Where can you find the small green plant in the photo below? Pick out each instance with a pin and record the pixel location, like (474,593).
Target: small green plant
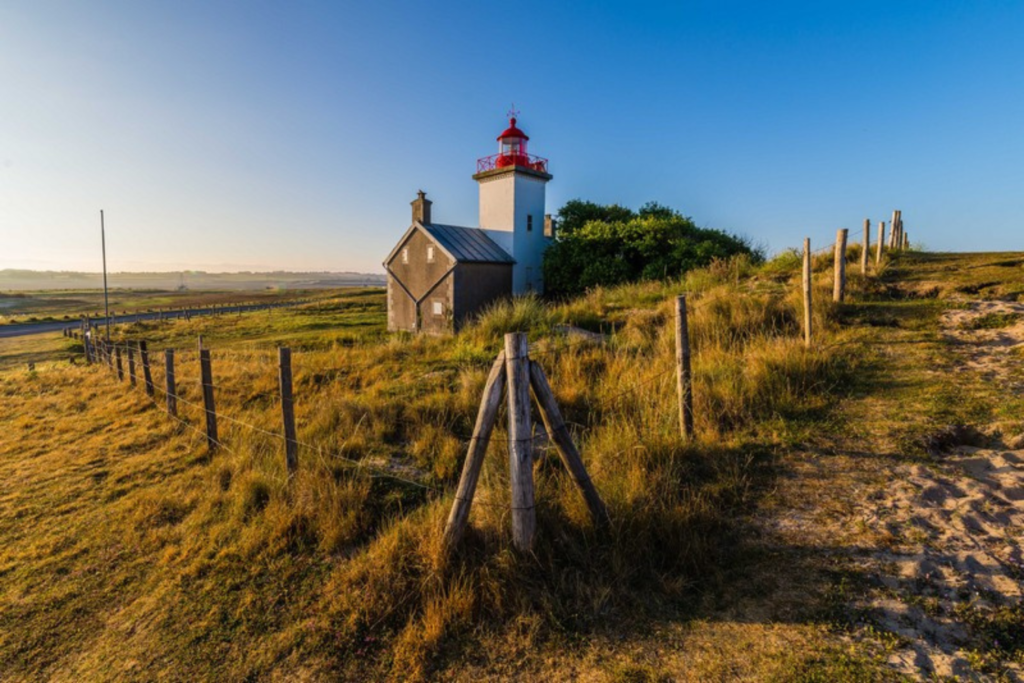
(992,321)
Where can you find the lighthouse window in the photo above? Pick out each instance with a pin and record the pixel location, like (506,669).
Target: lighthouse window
(529,222)
(405,255)
(438,308)
(430,254)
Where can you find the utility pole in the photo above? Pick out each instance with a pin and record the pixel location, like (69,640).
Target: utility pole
(106,300)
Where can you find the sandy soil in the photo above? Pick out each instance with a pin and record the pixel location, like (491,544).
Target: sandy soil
(954,529)
(996,353)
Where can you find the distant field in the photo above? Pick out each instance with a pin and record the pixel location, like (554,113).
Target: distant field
(32,306)
(27,280)
(363,309)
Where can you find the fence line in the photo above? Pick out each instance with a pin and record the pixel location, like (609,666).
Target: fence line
(517,356)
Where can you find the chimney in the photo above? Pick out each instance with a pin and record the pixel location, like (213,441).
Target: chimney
(421,208)
(549,225)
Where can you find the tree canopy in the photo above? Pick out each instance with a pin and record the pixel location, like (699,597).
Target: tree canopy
(608,245)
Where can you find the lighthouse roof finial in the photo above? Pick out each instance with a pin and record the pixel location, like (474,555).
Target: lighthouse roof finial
(512,131)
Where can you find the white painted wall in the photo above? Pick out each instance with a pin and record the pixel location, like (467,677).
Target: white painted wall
(505,202)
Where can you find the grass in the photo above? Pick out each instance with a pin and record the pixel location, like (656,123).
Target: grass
(129,552)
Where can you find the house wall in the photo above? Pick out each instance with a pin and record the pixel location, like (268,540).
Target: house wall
(420,276)
(476,286)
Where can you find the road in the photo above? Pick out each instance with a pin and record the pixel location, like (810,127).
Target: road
(24,329)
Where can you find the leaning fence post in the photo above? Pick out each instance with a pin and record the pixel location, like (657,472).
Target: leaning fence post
(867,247)
(567,451)
(839,279)
(147,376)
(172,398)
(120,368)
(291,447)
(131,363)
(486,416)
(211,411)
(684,380)
(524,517)
(808,310)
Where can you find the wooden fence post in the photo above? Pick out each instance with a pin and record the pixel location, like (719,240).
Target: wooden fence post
(291,447)
(567,451)
(147,376)
(881,240)
(684,380)
(839,278)
(211,412)
(88,348)
(131,363)
(808,310)
(486,416)
(120,368)
(906,240)
(517,370)
(867,247)
(172,398)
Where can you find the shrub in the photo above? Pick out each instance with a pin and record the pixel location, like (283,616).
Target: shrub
(612,248)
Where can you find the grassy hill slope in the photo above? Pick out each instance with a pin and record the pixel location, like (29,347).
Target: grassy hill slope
(759,551)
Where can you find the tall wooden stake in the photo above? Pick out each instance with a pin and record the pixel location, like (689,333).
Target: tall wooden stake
(211,412)
(867,247)
(486,416)
(131,364)
(172,397)
(684,380)
(517,369)
(120,368)
(147,376)
(291,446)
(570,456)
(839,279)
(881,240)
(808,310)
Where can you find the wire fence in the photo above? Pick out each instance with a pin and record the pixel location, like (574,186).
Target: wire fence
(116,355)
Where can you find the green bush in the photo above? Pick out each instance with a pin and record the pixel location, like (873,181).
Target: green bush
(599,246)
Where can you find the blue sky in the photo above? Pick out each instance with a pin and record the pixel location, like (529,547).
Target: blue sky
(257,135)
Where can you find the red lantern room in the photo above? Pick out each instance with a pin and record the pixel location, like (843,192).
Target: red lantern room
(512,153)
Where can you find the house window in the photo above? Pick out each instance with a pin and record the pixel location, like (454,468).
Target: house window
(529,222)
(405,255)
(430,254)
(438,308)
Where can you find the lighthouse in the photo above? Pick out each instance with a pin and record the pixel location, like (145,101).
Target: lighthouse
(512,204)
(442,276)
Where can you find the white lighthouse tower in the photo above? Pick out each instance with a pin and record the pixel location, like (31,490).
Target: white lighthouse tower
(512,214)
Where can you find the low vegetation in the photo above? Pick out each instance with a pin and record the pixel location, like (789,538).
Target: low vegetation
(131,553)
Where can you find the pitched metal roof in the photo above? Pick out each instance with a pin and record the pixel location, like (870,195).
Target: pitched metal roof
(467,245)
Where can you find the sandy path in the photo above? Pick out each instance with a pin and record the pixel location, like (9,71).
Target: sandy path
(953,530)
